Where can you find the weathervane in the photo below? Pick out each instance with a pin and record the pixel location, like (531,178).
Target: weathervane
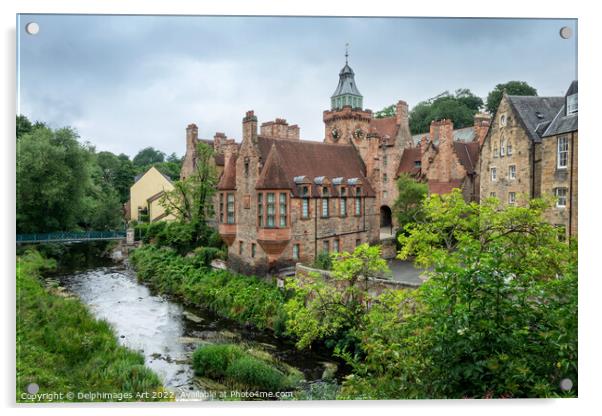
(346,53)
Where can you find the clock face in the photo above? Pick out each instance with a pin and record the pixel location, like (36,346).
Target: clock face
(358,133)
(336,134)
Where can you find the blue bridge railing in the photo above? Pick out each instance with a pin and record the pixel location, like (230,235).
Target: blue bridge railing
(70,236)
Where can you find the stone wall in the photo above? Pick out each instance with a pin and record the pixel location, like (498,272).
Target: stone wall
(375,285)
(514,135)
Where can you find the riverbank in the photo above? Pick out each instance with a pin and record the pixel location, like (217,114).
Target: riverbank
(247,300)
(68,354)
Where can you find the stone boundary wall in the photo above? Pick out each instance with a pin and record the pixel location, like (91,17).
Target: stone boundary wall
(377,285)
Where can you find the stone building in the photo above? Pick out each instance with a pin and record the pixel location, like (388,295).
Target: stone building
(559,144)
(530,151)
(446,158)
(283,200)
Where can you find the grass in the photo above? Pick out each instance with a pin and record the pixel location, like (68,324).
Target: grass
(244,369)
(62,348)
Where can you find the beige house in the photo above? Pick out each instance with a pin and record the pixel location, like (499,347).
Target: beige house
(145,196)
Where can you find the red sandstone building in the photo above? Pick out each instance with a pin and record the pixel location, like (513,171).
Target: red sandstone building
(283,200)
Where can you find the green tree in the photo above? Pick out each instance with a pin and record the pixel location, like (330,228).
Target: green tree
(511,88)
(53,174)
(459,107)
(328,309)
(148,157)
(23,126)
(191,200)
(388,111)
(408,205)
(496,318)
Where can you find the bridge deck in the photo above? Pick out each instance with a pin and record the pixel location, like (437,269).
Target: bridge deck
(66,237)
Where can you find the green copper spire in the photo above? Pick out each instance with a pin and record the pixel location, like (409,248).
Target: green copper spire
(346,92)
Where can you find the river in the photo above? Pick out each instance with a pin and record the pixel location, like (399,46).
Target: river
(167,332)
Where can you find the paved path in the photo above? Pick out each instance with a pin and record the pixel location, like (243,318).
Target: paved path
(404,271)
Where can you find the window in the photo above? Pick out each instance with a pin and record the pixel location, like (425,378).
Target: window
(492,194)
(230,207)
(561,197)
(358,242)
(511,197)
(503,120)
(305,202)
(325,246)
(271,210)
(343,202)
(221,207)
(335,245)
(246,166)
(493,174)
(240,248)
(562,154)
(495,150)
(417,163)
(358,202)
(260,209)
(508,149)
(253,249)
(324,207)
(283,209)
(502,148)
(385,194)
(571,104)
(295,251)
(385,177)
(512,172)
(385,160)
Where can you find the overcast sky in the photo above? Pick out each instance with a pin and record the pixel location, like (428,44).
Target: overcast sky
(127,82)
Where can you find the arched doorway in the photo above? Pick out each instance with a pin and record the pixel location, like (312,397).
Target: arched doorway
(386,221)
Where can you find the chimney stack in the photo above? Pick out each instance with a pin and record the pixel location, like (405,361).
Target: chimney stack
(249,126)
(482,121)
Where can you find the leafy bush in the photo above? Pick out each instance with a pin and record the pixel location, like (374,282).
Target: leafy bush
(255,374)
(213,360)
(323,261)
(245,299)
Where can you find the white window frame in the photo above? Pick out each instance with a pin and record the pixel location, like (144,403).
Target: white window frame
(562,152)
(561,197)
(509,149)
(511,198)
(296,250)
(512,172)
(493,173)
(571,104)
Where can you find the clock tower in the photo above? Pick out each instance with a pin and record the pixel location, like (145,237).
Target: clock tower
(346,122)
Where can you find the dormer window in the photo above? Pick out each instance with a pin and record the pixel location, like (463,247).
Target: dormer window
(571,104)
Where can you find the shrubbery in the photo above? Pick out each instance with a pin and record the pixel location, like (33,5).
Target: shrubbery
(239,368)
(180,236)
(245,299)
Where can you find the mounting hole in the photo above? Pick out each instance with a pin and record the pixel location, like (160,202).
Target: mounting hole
(566,32)
(32,28)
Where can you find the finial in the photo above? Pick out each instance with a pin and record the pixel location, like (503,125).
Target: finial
(346,53)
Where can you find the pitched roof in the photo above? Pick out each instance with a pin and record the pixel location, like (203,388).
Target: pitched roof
(533,112)
(564,123)
(407,164)
(140,175)
(346,82)
(437,187)
(386,126)
(308,158)
(468,154)
(465,134)
(228,179)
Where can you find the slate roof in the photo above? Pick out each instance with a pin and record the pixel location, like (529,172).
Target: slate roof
(140,175)
(346,83)
(533,112)
(465,134)
(564,123)
(286,159)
